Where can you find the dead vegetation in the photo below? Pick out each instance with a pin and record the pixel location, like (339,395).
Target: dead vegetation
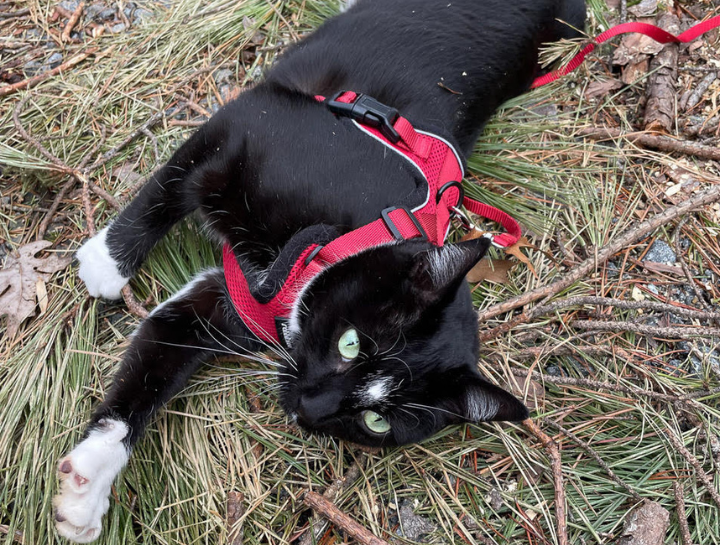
(609,330)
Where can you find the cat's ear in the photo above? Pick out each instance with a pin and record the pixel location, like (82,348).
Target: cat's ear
(435,270)
(477,400)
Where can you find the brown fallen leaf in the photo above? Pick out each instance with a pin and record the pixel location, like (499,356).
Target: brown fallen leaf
(492,270)
(635,71)
(126,174)
(652,266)
(19,281)
(645,8)
(234,513)
(515,250)
(42,295)
(472,234)
(635,48)
(602,87)
(530,391)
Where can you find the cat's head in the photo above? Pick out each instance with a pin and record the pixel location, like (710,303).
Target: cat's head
(385,348)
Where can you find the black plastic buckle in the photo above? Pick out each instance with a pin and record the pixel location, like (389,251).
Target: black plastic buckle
(393,228)
(445,187)
(367,111)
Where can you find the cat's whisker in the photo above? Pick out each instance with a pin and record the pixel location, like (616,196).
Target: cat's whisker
(245,353)
(423,408)
(389,358)
(400,335)
(276,348)
(426,407)
(417,420)
(377,348)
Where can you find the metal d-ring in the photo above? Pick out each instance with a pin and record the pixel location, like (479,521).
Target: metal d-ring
(445,187)
(464,218)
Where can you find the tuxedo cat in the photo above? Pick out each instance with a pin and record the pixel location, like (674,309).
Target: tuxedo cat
(384,343)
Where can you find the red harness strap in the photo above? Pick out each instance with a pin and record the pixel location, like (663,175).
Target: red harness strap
(441,167)
(657,34)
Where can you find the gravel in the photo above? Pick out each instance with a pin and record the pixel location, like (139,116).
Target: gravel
(660,252)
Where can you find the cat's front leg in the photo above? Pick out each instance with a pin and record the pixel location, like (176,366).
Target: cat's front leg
(109,259)
(179,335)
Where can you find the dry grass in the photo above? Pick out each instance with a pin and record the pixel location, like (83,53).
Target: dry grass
(476,484)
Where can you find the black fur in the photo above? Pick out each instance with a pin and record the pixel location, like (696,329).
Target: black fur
(275,162)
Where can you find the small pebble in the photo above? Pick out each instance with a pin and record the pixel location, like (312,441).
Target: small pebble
(33,68)
(223,76)
(141,15)
(660,252)
(70,5)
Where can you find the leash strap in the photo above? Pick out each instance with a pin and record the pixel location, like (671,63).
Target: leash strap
(657,34)
(498,216)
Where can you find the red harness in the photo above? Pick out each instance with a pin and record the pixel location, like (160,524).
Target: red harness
(441,167)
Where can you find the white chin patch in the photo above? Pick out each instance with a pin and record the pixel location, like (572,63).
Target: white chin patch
(98,269)
(86,475)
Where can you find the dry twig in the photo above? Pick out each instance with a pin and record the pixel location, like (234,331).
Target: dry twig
(134,306)
(328,510)
(598,385)
(14,14)
(587,448)
(654,141)
(42,229)
(682,517)
(333,491)
(703,86)
(27,83)
(556,464)
(679,332)
(74,18)
(619,303)
(17,536)
(630,236)
(690,458)
(660,111)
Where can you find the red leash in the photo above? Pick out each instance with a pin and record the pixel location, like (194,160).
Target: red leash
(657,34)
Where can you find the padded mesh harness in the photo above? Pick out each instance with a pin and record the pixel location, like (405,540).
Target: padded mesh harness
(441,167)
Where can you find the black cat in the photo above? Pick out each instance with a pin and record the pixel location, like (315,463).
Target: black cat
(381,346)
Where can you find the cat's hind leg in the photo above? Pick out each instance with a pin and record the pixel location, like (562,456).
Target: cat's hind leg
(176,338)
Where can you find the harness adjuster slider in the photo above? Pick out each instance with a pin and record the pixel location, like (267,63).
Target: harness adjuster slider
(394,229)
(367,111)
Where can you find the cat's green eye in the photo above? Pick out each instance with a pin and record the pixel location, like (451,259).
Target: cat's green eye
(349,345)
(375,423)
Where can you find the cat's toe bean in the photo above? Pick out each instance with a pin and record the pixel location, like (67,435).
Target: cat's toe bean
(78,534)
(86,476)
(99,270)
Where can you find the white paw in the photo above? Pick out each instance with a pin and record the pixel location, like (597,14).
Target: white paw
(98,269)
(86,475)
